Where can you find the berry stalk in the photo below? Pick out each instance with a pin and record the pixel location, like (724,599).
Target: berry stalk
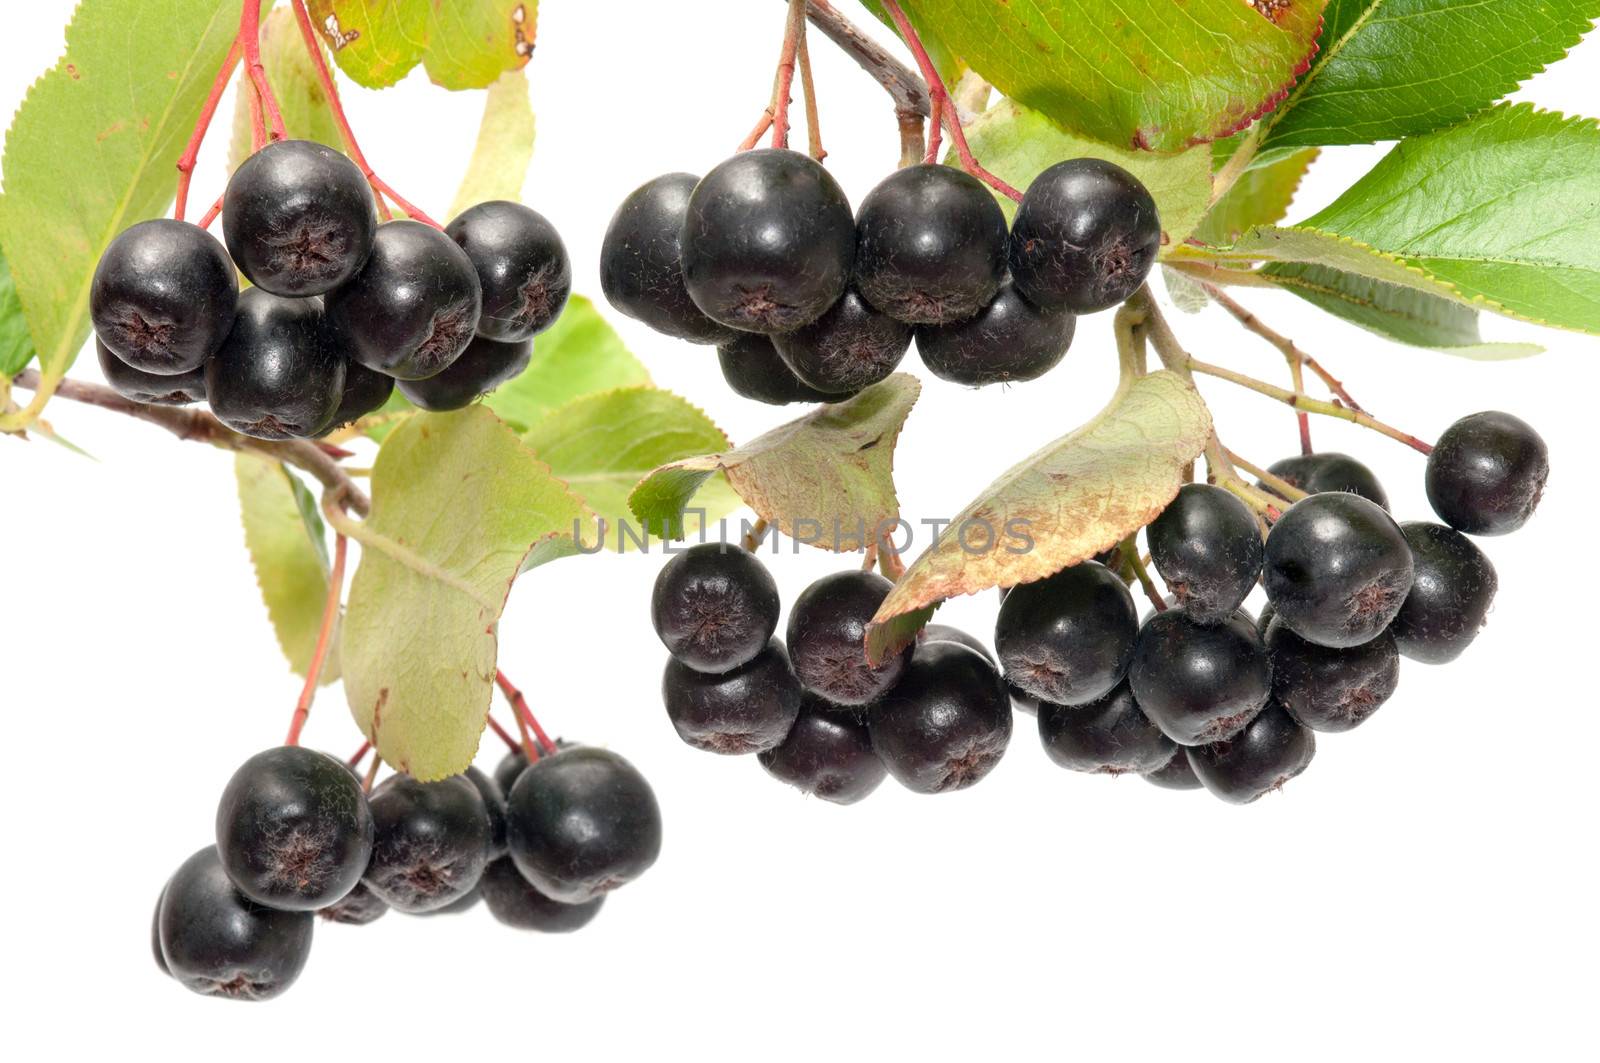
(330,620)
(361,751)
(519,705)
(1277,483)
(808,89)
(1130,553)
(794,29)
(250,42)
(191,151)
(511,743)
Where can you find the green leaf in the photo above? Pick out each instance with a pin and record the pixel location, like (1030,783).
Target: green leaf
(293,77)
(1388,69)
(826,479)
(945,61)
(1260,197)
(464,44)
(499,162)
(375,42)
(16,342)
(602,445)
(1138,73)
(92,150)
(1077,496)
(1018,144)
(284,534)
(1404,315)
(458,505)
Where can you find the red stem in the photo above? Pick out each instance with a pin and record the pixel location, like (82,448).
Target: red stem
(303,18)
(355,758)
(519,705)
(211,214)
(258,129)
(516,747)
(794,26)
(191,151)
(250,41)
(330,620)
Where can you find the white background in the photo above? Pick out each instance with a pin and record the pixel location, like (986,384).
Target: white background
(1425,889)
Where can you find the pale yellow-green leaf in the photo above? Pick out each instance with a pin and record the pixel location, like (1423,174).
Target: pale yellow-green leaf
(499,162)
(1261,196)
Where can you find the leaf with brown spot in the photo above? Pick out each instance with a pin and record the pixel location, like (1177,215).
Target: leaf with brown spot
(1072,499)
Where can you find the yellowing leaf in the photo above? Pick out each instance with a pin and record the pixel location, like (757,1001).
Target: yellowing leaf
(1260,197)
(499,162)
(463,44)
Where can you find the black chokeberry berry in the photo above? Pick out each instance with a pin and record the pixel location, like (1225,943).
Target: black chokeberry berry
(219,943)
(1084,238)
(930,245)
(714,606)
(1106,737)
(1199,683)
(464,903)
(414,306)
(1450,598)
(827,639)
(1329,689)
(1329,471)
(1337,569)
(1207,546)
(357,908)
(280,373)
(827,753)
(482,367)
(522,267)
(494,802)
(514,901)
(1022,701)
(582,823)
(432,842)
(947,633)
(293,829)
(155,935)
(746,710)
(163,296)
(1487,473)
(299,218)
(768,241)
(641,262)
(1010,339)
(150,388)
(1176,774)
(848,348)
(1271,750)
(946,724)
(365,391)
(753,369)
(511,765)
(1067,639)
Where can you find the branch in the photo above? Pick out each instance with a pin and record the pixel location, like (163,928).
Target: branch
(201,427)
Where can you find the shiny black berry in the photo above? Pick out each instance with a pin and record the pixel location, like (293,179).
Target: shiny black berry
(522,267)
(151,388)
(163,296)
(768,241)
(827,753)
(1487,474)
(482,367)
(582,823)
(299,218)
(219,943)
(1022,701)
(155,935)
(464,903)
(1329,689)
(357,908)
(414,306)
(1330,471)
(714,606)
(1337,569)
(846,349)
(746,710)
(1106,737)
(1199,683)
(514,901)
(827,639)
(1269,752)
(511,765)
(641,262)
(1450,597)
(753,369)
(946,724)
(1176,774)
(947,633)
(930,245)
(1084,238)
(1207,546)
(293,829)
(365,391)
(494,803)
(280,373)
(1010,339)
(432,842)
(1067,639)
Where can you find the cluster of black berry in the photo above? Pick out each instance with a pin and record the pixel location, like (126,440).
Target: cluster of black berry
(807,303)
(539,844)
(341,307)
(817,714)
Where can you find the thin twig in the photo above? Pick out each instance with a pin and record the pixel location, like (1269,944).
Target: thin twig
(793,28)
(905,88)
(330,620)
(808,89)
(250,44)
(1130,554)
(494,725)
(191,151)
(1278,484)
(519,705)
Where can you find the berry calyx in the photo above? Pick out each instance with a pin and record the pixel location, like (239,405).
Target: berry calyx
(1106,737)
(1084,238)
(1009,340)
(1329,471)
(1199,683)
(280,373)
(714,607)
(431,843)
(849,347)
(946,724)
(746,710)
(484,365)
(1450,597)
(293,829)
(1207,546)
(163,296)
(768,241)
(754,370)
(299,218)
(827,753)
(172,390)
(827,639)
(522,266)
(1487,473)
(1067,639)
(1329,689)
(515,902)
(1264,756)
(1337,569)
(930,245)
